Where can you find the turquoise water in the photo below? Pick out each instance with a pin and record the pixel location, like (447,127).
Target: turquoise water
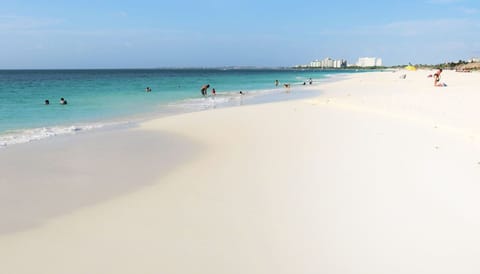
(96,97)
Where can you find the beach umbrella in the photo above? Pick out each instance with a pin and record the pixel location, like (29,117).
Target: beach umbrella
(411,68)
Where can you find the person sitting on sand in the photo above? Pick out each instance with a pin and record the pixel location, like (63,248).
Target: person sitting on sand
(436,79)
(63,101)
(204,89)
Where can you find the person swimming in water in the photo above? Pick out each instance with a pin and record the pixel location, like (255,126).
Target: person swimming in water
(63,101)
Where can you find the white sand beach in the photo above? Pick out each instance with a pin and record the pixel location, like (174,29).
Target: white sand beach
(376,175)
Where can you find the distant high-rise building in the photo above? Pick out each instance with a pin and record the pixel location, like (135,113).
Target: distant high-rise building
(369,62)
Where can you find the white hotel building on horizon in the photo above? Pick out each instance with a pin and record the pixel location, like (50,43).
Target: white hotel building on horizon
(369,62)
(328,63)
(341,63)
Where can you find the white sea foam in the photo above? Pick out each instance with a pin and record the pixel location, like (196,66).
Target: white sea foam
(228,98)
(219,100)
(29,135)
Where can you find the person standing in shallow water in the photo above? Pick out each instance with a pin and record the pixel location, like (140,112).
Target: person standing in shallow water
(276,83)
(204,89)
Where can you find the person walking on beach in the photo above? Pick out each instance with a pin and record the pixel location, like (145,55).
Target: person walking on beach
(204,89)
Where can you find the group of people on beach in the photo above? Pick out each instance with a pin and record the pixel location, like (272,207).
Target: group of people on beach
(62,101)
(204,91)
(287,85)
(205,88)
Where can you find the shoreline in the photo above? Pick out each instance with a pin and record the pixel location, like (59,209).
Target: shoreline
(58,146)
(94,104)
(376,175)
(222,100)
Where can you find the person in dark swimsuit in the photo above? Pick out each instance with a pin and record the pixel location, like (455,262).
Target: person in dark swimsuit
(204,89)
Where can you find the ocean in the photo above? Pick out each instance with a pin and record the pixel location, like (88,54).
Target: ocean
(103,98)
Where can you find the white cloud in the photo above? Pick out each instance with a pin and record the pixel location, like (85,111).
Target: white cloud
(121,14)
(427,27)
(443,1)
(469,10)
(411,28)
(15,22)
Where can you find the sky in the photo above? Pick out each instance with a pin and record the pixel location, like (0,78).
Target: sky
(37,34)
